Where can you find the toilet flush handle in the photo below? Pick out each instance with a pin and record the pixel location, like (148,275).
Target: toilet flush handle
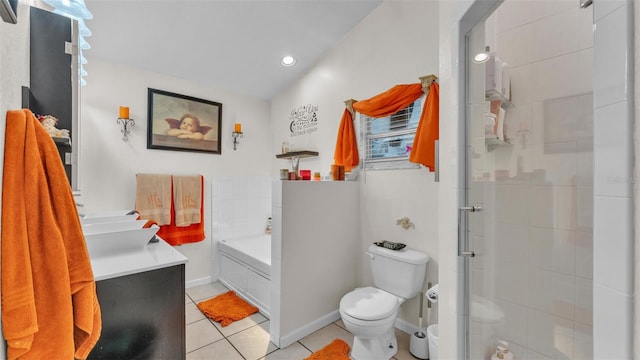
(370,255)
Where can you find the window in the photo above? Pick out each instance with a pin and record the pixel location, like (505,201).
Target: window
(386,141)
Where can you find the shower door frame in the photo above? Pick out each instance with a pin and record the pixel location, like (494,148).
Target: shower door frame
(479,11)
(603,331)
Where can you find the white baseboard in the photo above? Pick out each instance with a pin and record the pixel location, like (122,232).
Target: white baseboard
(197,282)
(406,326)
(308,329)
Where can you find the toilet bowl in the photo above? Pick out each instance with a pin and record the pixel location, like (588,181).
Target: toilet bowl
(369,313)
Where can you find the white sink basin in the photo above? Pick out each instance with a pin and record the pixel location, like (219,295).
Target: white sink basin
(122,225)
(107,239)
(107,219)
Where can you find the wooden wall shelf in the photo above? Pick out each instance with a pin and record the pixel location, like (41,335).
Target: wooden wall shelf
(297,154)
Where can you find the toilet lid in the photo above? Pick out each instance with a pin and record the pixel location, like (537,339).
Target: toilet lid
(369,303)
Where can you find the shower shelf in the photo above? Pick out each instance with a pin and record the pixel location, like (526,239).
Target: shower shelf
(491,95)
(493,143)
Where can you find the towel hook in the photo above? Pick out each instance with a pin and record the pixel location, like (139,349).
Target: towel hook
(405,223)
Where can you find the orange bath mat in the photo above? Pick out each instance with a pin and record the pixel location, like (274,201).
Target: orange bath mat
(336,350)
(226,308)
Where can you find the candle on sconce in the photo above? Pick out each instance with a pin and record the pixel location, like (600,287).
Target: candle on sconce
(124,112)
(238,128)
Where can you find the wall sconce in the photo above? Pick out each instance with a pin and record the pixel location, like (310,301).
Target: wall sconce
(237,132)
(124,120)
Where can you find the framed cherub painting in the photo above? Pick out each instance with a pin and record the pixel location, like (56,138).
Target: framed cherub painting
(183,123)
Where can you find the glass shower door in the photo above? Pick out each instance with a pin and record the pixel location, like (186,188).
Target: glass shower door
(526,215)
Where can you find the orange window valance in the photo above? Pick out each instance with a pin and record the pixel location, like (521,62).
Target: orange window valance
(390,101)
(385,104)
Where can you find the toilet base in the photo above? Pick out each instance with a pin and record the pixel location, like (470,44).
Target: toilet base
(377,348)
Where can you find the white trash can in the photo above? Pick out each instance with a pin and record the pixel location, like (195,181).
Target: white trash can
(432,334)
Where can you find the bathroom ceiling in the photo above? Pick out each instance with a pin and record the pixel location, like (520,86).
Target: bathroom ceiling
(235,45)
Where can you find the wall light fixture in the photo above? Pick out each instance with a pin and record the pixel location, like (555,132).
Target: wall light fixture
(237,133)
(126,123)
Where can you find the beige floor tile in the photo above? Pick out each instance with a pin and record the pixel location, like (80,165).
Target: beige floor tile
(192,313)
(293,351)
(253,343)
(240,325)
(207,291)
(326,335)
(201,333)
(218,350)
(341,324)
(187,299)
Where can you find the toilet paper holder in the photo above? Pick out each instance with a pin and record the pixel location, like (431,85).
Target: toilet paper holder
(433,293)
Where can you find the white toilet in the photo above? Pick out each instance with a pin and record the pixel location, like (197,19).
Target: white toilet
(369,313)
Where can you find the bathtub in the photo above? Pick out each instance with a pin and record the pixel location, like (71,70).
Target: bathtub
(245,267)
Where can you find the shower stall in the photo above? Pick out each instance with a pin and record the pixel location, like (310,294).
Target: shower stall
(526,214)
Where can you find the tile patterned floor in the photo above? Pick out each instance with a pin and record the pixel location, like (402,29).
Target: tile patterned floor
(248,339)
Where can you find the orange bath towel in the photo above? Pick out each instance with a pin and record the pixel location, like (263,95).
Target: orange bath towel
(226,308)
(49,304)
(153,197)
(336,350)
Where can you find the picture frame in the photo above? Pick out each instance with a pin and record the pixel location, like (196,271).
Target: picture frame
(183,123)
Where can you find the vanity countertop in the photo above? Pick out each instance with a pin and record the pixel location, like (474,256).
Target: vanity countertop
(154,256)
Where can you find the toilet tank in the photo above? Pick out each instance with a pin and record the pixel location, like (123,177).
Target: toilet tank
(400,272)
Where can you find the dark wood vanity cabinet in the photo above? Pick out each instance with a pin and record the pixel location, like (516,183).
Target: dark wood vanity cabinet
(143,316)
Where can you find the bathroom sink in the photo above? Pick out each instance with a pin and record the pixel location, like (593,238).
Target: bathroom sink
(107,219)
(121,225)
(108,239)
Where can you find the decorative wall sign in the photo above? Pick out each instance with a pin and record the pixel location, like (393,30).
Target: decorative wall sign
(304,120)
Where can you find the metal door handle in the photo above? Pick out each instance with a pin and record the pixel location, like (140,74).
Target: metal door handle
(472,208)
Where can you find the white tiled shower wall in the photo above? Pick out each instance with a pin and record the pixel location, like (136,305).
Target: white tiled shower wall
(613,234)
(543,235)
(240,205)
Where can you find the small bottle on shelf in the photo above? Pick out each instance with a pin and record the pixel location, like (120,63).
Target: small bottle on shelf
(268,229)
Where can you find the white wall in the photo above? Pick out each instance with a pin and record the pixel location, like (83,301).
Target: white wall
(312,255)
(14,73)
(395,44)
(108,165)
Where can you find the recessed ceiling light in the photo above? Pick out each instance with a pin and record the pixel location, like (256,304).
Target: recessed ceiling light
(482,57)
(288,61)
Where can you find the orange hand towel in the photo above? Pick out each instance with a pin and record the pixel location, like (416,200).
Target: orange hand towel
(346,146)
(175,235)
(187,195)
(428,131)
(153,197)
(49,304)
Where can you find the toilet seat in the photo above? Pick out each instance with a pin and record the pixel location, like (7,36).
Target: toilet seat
(369,304)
